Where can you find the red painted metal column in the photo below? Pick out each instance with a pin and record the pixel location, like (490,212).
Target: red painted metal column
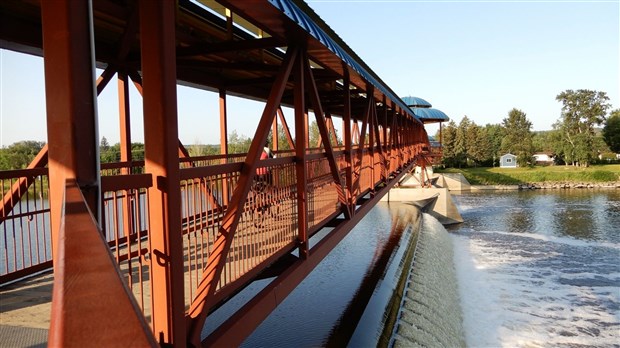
(224,142)
(348,141)
(301,142)
(371,142)
(124,120)
(71,104)
(274,135)
(125,143)
(157,32)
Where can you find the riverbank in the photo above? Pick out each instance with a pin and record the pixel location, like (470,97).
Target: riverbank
(547,186)
(603,176)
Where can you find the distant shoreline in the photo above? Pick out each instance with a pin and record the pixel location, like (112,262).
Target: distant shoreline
(548,186)
(551,177)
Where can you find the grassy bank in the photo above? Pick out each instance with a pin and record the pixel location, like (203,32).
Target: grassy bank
(514,176)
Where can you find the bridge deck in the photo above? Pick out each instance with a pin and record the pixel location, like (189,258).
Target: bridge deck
(25,311)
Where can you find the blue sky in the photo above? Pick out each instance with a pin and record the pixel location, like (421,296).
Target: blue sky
(474,58)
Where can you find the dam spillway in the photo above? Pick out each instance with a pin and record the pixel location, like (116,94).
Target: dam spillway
(325,309)
(430,314)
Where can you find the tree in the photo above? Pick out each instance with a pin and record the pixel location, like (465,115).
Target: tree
(448,143)
(282,141)
(518,136)
(611,131)
(478,149)
(494,134)
(460,143)
(314,135)
(104,144)
(581,111)
(107,153)
(238,143)
(19,154)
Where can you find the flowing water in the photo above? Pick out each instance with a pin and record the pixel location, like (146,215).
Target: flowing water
(539,268)
(430,315)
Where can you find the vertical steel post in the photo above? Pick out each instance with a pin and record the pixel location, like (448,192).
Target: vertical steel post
(301,143)
(71,104)
(348,140)
(157,32)
(371,142)
(440,135)
(124,120)
(224,142)
(274,135)
(125,143)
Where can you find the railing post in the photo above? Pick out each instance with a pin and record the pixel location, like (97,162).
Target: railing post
(157,33)
(71,104)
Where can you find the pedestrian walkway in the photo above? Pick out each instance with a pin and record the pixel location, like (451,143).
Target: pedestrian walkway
(25,312)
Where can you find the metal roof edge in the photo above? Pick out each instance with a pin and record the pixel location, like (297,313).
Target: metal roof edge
(302,14)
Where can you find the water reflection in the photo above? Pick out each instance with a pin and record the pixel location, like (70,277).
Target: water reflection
(581,214)
(539,268)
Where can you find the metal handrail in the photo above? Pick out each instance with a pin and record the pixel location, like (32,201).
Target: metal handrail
(84,270)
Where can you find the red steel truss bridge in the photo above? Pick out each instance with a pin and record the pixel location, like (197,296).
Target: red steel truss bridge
(147,248)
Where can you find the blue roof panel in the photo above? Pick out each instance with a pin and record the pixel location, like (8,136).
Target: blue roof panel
(429,114)
(416,102)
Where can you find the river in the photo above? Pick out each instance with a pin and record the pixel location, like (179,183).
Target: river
(539,268)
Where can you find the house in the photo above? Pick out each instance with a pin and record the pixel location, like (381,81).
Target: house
(508,161)
(544,159)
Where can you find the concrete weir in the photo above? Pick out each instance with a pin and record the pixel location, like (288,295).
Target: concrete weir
(416,301)
(437,201)
(443,207)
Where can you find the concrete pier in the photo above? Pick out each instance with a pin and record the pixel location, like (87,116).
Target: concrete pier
(443,209)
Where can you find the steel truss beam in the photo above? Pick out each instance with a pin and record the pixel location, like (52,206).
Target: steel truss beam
(230,46)
(320,120)
(199,308)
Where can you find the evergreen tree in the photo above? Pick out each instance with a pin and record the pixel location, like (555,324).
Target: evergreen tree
(460,144)
(518,137)
(448,143)
(494,134)
(478,149)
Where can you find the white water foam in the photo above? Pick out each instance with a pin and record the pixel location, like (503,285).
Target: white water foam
(523,290)
(558,240)
(431,313)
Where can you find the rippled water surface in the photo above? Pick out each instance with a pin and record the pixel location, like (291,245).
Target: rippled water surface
(540,268)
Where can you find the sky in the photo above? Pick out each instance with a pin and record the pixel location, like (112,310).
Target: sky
(474,58)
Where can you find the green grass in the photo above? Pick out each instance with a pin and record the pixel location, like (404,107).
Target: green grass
(514,176)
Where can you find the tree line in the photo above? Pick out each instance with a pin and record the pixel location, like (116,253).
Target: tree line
(576,138)
(20,154)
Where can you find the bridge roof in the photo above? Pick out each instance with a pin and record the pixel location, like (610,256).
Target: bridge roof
(430,115)
(416,102)
(243,60)
(299,12)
